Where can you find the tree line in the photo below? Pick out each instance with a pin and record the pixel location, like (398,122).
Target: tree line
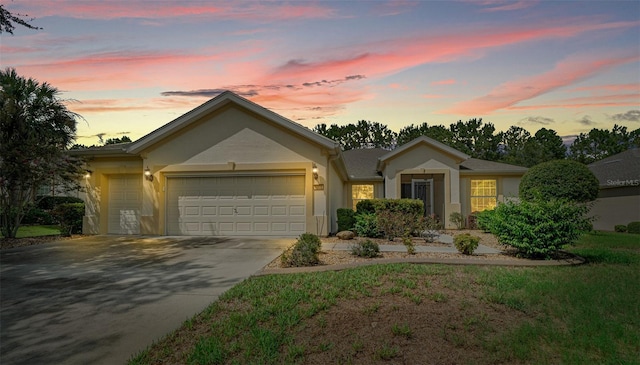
(481,140)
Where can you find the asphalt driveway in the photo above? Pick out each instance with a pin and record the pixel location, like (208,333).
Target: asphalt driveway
(101,299)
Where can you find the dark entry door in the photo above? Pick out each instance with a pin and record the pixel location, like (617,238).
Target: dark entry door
(423,190)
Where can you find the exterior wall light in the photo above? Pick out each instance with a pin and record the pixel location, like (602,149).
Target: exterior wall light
(314,169)
(87,174)
(147,174)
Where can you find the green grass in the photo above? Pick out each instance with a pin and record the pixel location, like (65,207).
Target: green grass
(37,231)
(574,314)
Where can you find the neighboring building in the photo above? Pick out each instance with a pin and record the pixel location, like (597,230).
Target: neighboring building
(231,167)
(619,198)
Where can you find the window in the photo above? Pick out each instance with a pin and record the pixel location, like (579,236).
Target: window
(361,192)
(483,195)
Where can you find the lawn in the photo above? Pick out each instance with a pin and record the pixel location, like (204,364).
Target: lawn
(37,231)
(404,313)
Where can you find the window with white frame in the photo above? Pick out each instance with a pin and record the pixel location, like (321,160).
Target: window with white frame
(361,192)
(484,195)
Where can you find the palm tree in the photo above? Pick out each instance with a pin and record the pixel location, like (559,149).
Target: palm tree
(36,129)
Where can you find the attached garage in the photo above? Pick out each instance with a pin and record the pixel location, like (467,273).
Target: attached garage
(125,200)
(232,205)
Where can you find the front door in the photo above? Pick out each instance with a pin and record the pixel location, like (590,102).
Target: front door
(423,189)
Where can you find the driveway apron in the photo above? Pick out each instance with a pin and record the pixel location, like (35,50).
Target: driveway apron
(101,299)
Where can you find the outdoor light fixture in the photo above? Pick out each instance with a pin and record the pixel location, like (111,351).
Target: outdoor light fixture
(147,174)
(87,174)
(314,169)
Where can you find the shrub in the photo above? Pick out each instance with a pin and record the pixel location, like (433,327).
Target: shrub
(35,215)
(457,219)
(391,224)
(429,227)
(367,225)
(365,206)
(408,243)
(346,219)
(69,215)
(466,243)
(538,229)
(50,202)
(472,220)
(409,206)
(366,248)
(304,252)
(560,179)
(620,228)
(484,219)
(633,227)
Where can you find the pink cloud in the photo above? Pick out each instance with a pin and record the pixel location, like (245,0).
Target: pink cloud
(589,101)
(399,54)
(504,5)
(443,82)
(608,88)
(165,9)
(565,73)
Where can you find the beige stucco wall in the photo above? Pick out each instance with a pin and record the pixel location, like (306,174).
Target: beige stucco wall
(423,159)
(231,141)
(615,210)
(97,189)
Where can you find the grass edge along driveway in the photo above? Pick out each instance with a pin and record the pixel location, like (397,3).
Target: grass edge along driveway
(571,315)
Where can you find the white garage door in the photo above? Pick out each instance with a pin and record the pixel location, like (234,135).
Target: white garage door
(236,206)
(125,199)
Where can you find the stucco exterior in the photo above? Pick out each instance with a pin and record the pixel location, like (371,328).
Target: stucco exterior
(232,137)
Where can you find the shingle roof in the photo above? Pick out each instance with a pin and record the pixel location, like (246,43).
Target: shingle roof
(478,165)
(618,169)
(361,163)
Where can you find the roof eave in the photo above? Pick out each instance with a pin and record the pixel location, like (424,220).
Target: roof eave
(218,102)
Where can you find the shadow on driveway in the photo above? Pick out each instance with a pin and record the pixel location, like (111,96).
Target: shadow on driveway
(101,299)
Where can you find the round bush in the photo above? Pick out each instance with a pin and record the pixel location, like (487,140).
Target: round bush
(560,179)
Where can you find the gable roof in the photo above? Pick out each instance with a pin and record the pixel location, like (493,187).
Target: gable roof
(218,102)
(361,163)
(614,171)
(422,140)
(476,165)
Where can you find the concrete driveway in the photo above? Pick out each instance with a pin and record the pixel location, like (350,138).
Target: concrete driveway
(101,299)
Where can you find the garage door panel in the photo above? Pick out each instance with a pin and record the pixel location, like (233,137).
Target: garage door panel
(241,205)
(125,200)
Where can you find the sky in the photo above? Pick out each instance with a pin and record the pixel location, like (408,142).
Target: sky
(129,67)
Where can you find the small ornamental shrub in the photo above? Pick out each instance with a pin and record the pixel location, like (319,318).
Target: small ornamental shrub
(472,220)
(620,228)
(69,215)
(560,179)
(387,223)
(366,248)
(367,225)
(408,243)
(466,243)
(538,229)
(633,227)
(429,227)
(346,219)
(303,253)
(457,219)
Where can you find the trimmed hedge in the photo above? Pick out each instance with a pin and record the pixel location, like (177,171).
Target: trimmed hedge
(50,202)
(409,206)
(346,219)
(560,179)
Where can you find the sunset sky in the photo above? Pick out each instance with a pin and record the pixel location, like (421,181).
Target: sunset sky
(131,66)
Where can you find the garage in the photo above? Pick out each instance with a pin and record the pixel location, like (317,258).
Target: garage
(125,200)
(266,205)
